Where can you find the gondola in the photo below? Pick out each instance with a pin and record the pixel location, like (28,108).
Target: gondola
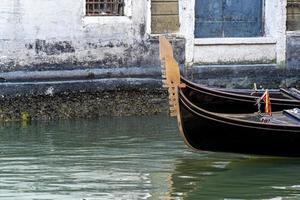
(227,100)
(236,100)
(250,133)
(205,126)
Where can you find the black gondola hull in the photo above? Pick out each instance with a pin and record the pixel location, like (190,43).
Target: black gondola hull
(203,131)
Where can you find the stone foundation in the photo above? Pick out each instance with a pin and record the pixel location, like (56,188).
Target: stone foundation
(84,104)
(244,76)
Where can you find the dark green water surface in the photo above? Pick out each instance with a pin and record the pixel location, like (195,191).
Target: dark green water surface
(131,158)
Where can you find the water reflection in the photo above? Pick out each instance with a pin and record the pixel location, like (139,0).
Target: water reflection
(113,158)
(130,158)
(236,177)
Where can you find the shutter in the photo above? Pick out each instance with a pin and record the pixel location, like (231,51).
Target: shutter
(228,18)
(242,18)
(208,18)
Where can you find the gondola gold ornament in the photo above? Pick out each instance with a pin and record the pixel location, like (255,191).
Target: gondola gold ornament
(170,74)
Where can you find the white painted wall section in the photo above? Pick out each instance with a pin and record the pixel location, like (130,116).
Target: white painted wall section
(235,53)
(24,22)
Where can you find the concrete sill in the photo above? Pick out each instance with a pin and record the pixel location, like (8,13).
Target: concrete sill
(107,20)
(234,41)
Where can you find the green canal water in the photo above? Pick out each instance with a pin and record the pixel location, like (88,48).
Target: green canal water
(131,158)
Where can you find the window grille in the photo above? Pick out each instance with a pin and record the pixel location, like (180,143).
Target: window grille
(104,7)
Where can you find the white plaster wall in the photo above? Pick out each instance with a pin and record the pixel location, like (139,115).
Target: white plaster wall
(22,22)
(271,47)
(187,27)
(235,53)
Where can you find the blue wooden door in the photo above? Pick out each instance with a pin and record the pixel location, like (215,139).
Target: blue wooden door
(228,18)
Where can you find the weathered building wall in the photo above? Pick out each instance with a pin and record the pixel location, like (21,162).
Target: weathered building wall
(57,34)
(55,62)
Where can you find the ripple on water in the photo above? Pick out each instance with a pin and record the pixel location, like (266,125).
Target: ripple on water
(131,158)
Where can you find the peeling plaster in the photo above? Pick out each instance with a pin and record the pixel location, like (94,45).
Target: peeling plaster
(52,32)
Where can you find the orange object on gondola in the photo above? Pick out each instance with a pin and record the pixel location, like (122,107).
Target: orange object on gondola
(266,98)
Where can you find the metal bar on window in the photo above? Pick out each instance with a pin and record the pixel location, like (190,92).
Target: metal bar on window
(104,7)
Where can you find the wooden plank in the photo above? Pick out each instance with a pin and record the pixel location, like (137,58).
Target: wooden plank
(165,17)
(293,10)
(164,8)
(164,24)
(293,15)
(293,25)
